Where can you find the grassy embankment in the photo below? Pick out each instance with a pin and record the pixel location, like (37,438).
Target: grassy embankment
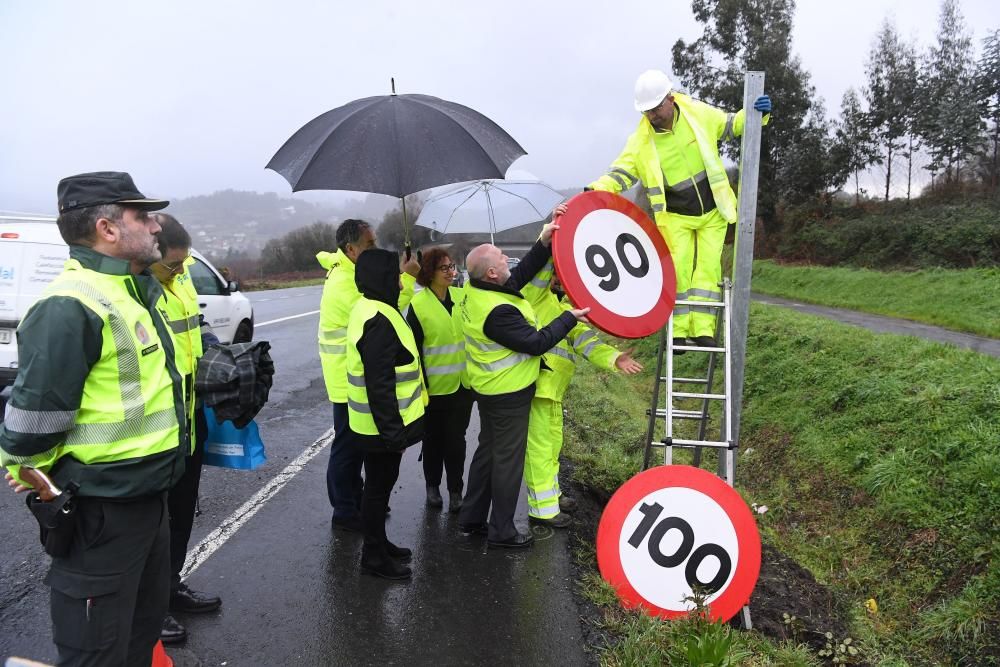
(878,458)
(960,299)
(266,283)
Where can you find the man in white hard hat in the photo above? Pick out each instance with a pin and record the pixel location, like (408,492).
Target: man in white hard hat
(675,153)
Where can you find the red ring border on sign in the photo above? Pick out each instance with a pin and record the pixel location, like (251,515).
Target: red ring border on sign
(562,254)
(747,568)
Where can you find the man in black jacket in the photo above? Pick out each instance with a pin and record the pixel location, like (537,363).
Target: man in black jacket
(385,401)
(503,349)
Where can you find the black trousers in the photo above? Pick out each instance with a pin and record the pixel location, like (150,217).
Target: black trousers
(343,471)
(445,422)
(381,473)
(182,500)
(110,592)
(498,464)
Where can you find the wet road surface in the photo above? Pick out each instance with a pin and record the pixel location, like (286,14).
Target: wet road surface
(291,588)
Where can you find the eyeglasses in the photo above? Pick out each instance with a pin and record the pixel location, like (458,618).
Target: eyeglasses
(175,267)
(446,268)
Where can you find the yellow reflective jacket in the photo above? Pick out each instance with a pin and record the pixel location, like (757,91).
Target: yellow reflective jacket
(339,296)
(559,363)
(639,161)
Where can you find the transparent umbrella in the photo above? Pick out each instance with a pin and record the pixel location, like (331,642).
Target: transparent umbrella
(488,206)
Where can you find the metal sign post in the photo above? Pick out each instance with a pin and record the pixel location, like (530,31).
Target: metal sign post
(753,88)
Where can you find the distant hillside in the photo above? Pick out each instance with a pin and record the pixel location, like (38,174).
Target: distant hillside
(240,222)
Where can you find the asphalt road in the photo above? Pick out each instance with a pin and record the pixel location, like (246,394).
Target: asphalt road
(291,589)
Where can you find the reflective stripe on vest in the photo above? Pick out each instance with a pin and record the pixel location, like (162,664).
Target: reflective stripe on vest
(409,384)
(443,343)
(339,296)
(494,369)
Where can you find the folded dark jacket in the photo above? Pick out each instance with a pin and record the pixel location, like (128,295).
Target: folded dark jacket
(235,380)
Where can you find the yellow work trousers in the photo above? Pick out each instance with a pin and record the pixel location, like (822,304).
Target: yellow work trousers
(541,461)
(695,244)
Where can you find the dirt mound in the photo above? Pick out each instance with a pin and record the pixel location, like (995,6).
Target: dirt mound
(784,587)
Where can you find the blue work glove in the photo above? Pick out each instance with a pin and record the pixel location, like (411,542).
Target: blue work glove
(762,104)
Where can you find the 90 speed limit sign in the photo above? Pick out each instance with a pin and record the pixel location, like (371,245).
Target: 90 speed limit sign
(672,529)
(611,257)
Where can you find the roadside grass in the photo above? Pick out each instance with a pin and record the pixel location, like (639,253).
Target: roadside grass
(878,459)
(961,299)
(257,285)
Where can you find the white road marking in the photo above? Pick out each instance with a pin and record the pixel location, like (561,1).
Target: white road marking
(282,319)
(208,546)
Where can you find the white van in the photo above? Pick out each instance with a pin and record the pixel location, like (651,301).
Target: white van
(32,254)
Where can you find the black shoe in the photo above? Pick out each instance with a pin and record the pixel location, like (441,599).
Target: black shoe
(519,541)
(402,554)
(704,341)
(434,497)
(561,520)
(679,341)
(472,529)
(454,501)
(348,525)
(187,601)
(378,563)
(567,504)
(172,632)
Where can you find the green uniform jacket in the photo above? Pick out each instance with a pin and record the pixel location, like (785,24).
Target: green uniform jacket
(59,341)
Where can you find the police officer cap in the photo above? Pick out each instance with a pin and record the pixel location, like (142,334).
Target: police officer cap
(103,187)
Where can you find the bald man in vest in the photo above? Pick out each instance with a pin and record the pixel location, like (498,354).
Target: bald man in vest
(503,345)
(675,154)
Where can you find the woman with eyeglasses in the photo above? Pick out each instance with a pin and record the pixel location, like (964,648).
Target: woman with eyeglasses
(191,335)
(434,318)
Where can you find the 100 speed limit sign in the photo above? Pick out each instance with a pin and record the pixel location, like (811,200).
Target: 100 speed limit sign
(611,257)
(673,529)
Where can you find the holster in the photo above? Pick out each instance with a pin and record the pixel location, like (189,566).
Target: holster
(56,520)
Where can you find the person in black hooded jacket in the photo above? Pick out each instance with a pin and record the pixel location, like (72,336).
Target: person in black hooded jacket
(385,401)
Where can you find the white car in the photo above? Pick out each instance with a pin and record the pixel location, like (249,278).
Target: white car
(32,254)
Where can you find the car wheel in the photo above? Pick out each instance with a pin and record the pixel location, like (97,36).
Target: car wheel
(244,332)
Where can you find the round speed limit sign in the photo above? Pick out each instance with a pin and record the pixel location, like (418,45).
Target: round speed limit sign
(611,257)
(673,529)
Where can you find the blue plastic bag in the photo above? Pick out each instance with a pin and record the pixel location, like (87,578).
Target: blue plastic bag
(229,447)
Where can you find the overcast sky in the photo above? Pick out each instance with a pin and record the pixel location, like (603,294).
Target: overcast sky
(193,96)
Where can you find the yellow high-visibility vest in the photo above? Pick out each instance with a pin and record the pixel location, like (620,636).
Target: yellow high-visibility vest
(409,384)
(444,342)
(494,369)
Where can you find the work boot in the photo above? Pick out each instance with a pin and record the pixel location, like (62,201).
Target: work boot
(434,497)
(402,554)
(454,501)
(704,341)
(172,632)
(679,341)
(561,520)
(567,503)
(377,562)
(187,601)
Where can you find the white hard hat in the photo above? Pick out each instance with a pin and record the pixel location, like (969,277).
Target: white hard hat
(650,89)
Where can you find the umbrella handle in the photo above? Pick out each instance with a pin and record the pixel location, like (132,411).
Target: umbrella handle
(409,250)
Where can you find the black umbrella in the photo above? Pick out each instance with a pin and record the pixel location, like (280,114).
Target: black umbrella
(395,145)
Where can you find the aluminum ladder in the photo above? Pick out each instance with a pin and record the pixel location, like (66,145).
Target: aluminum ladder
(668,412)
